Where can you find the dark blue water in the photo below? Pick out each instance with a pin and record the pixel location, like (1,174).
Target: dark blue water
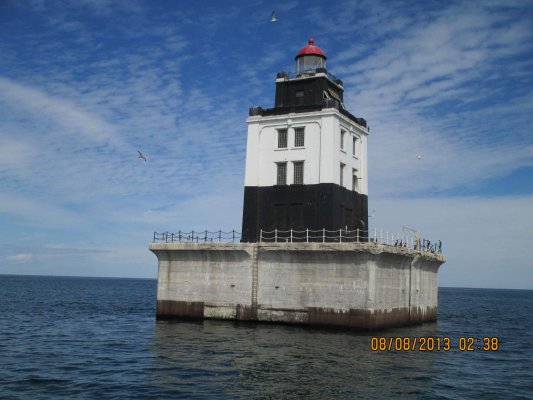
(66,338)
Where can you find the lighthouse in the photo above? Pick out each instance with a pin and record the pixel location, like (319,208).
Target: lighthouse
(306,157)
(305,254)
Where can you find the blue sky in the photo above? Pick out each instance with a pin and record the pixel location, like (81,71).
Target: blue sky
(85,84)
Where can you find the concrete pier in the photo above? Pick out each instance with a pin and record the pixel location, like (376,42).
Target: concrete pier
(357,285)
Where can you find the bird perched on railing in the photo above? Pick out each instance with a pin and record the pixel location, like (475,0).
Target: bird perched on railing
(141,155)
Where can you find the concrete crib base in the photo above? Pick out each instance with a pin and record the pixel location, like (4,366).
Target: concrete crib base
(355,285)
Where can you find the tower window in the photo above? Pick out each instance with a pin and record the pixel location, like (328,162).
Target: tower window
(343,134)
(341,174)
(355,181)
(281,173)
(354,146)
(298,172)
(299,97)
(299,137)
(282,138)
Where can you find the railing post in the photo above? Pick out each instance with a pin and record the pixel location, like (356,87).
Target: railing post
(275,235)
(179,236)
(219,235)
(205,240)
(387,238)
(357,235)
(291,235)
(307,235)
(233,236)
(323,235)
(260,235)
(192,236)
(340,235)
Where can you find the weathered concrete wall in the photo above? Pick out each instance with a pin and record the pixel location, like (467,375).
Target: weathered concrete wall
(362,285)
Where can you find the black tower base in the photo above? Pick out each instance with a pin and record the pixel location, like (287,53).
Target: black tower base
(299,207)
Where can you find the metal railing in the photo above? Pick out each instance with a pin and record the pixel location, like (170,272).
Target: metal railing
(305,236)
(308,73)
(347,236)
(325,103)
(197,237)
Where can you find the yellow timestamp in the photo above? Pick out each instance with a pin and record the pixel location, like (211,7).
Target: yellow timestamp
(434,343)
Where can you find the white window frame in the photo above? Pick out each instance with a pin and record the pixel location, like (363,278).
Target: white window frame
(355,141)
(278,166)
(297,130)
(294,164)
(280,132)
(355,181)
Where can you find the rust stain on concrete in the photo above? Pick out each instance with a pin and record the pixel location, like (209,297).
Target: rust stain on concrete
(167,309)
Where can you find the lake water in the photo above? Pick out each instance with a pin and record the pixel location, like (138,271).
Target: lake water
(86,338)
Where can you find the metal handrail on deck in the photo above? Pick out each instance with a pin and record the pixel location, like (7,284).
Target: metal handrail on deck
(204,236)
(347,236)
(304,236)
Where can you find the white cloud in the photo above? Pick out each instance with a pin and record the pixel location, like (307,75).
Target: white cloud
(486,240)
(73,119)
(37,212)
(20,257)
(411,89)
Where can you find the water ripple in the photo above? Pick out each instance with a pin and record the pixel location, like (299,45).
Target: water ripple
(97,338)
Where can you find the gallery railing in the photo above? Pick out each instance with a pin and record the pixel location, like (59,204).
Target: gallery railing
(349,236)
(197,237)
(325,103)
(304,236)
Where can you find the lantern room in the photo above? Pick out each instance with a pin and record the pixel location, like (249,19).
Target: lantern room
(310,58)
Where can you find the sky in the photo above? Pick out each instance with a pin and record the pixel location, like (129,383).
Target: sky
(85,84)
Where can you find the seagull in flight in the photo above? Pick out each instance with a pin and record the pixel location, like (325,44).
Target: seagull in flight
(141,156)
(419,156)
(273,17)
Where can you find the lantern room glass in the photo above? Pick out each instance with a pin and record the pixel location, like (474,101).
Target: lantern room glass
(309,63)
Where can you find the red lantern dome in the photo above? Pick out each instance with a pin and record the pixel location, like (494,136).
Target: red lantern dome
(310,58)
(311,49)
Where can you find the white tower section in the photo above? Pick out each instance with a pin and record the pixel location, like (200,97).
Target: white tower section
(334,149)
